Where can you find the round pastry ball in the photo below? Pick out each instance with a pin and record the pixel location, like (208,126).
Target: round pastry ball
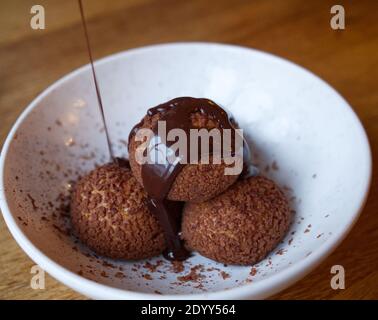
(110,215)
(195,182)
(240,226)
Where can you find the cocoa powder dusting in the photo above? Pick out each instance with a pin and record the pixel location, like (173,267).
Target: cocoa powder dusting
(194,274)
(225,275)
(253,271)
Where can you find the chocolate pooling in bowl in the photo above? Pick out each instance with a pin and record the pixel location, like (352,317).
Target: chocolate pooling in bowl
(158,176)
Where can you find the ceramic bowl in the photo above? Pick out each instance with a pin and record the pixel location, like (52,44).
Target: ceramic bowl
(303,135)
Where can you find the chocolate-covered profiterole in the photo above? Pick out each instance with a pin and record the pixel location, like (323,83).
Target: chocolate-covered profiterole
(158,178)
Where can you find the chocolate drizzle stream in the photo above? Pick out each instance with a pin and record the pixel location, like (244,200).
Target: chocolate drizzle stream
(95,80)
(158,178)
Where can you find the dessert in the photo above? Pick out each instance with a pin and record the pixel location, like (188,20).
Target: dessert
(137,209)
(137,213)
(170,179)
(110,214)
(192,182)
(240,226)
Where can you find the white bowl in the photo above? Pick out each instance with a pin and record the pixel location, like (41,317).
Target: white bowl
(303,134)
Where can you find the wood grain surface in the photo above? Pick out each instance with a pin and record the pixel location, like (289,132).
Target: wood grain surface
(30,60)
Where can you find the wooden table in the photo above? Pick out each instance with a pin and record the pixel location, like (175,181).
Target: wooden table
(297,30)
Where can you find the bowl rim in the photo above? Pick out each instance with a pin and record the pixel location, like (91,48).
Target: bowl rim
(261,289)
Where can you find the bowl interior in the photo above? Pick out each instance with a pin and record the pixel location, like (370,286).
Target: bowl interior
(303,135)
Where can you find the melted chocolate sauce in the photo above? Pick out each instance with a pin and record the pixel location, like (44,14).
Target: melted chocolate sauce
(95,81)
(122,162)
(158,178)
